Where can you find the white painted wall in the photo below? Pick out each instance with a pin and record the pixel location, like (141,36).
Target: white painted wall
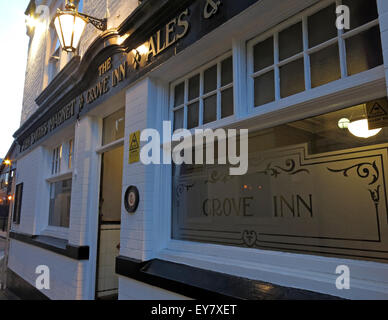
(66,275)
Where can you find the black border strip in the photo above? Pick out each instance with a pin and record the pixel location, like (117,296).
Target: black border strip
(205,284)
(59,246)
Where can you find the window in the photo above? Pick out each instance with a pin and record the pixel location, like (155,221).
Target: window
(113,127)
(60,197)
(17,209)
(70,157)
(304,55)
(204,96)
(60,184)
(314,186)
(56,160)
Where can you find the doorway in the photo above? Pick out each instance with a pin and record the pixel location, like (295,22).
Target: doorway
(109,223)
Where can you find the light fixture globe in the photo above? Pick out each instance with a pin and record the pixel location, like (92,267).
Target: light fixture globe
(360,129)
(69,26)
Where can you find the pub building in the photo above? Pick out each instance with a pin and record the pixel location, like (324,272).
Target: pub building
(313,96)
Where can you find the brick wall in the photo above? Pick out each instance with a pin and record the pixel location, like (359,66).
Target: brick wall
(39,52)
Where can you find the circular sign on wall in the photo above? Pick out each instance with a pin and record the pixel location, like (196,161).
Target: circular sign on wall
(131,199)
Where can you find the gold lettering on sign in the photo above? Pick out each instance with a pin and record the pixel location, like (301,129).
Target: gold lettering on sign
(119,74)
(97,91)
(176,29)
(105,67)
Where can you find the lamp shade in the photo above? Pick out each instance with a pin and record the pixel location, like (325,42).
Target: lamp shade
(70,27)
(360,129)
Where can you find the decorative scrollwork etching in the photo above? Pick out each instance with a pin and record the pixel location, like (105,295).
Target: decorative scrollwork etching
(290,169)
(364,170)
(215,177)
(249,238)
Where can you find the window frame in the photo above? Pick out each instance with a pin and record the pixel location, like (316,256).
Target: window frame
(307,271)
(64,173)
(202,96)
(340,40)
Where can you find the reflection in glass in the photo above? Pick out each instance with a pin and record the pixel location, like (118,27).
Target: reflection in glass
(113,127)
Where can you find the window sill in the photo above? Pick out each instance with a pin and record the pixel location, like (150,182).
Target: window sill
(201,283)
(56,245)
(308,272)
(59,177)
(56,232)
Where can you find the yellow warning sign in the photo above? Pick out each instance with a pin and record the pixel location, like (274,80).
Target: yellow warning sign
(134,147)
(377,112)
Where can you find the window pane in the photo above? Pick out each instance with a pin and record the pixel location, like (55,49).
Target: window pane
(361,11)
(363,51)
(263,54)
(179,118)
(227,103)
(292,78)
(113,127)
(290,41)
(194,87)
(325,66)
(264,88)
(179,94)
(112,172)
(60,196)
(210,109)
(311,187)
(318,34)
(193,115)
(227,71)
(210,78)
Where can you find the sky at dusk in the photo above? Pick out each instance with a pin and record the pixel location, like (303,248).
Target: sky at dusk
(13,59)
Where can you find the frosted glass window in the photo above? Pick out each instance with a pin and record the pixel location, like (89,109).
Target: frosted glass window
(113,127)
(264,89)
(290,41)
(325,66)
(292,78)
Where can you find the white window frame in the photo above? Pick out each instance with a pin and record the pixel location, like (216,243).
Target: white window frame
(310,272)
(64,173)
(218,91)
(305,54)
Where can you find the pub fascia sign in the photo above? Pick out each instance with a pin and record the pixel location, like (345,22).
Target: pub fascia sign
(110,77)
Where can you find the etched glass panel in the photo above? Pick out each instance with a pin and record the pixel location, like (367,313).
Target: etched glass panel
(312,186)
